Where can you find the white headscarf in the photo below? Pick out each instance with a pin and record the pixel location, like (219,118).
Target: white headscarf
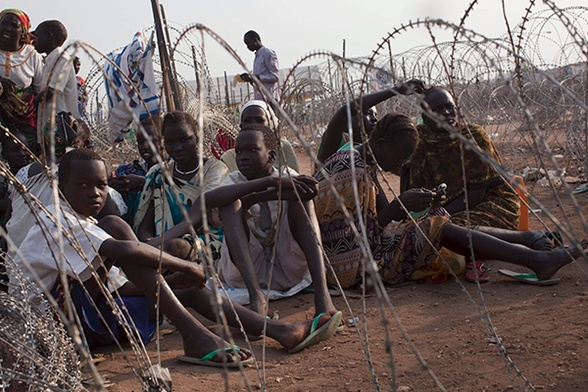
(269,113)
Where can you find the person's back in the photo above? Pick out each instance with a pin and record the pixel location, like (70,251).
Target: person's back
(336,135)
(59,81)
(16,156)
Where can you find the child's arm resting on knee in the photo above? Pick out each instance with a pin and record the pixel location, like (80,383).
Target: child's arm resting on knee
(139,254)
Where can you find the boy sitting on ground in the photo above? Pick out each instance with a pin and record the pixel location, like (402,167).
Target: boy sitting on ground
(90,249)
(129,178)
(270,223)
(260,211)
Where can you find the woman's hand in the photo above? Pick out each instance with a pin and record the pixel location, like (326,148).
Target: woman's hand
(154,241)
(413,86)
(440,196)
(417,199)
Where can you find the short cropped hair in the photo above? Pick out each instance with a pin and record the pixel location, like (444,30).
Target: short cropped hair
(253,34)
(395,125)
(79,154)
(427,94)
(57,28)
(269,136)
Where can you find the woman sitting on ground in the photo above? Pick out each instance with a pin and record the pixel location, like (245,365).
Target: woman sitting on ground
(403,248)
(162,205)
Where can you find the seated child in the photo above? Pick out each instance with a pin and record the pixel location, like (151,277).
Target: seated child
(91,248)
(280,239)
(129,178)
(162,204)
(256,112)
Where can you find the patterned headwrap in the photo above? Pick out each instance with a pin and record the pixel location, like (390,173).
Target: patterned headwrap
(25,36)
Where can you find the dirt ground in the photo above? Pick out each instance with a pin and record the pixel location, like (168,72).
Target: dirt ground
(543,332)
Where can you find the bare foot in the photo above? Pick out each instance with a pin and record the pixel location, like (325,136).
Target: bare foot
(550,262)
(291,334)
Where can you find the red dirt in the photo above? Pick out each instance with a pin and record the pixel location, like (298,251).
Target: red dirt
(543,330)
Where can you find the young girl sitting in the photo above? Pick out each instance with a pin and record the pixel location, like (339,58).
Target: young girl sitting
(268,230)
(161,203)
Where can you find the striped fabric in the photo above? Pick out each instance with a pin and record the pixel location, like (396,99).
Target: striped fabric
(130,86)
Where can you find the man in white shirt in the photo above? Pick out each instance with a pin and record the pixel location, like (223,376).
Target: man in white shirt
(265,66)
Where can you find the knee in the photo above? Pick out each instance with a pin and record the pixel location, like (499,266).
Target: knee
(230,209)
(178,247)
(117,227)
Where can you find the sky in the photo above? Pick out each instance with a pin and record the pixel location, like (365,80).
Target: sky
(293,29)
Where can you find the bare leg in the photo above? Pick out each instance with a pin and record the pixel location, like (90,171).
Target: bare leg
(198,340)
(532,239)
(287,334)
(236,238)
(486,247)
(177,247)
(306,233)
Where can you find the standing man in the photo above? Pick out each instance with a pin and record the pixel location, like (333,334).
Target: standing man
(265,66)
(60,92)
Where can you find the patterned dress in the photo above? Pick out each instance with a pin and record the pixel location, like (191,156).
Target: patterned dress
(402,251)
(23,69)
(168,201)
(438,159)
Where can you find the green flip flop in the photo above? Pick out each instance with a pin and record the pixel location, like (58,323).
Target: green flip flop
(207,359)
(529,278)
(318,335)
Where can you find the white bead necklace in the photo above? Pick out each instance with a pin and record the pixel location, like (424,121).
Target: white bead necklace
(186,172)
